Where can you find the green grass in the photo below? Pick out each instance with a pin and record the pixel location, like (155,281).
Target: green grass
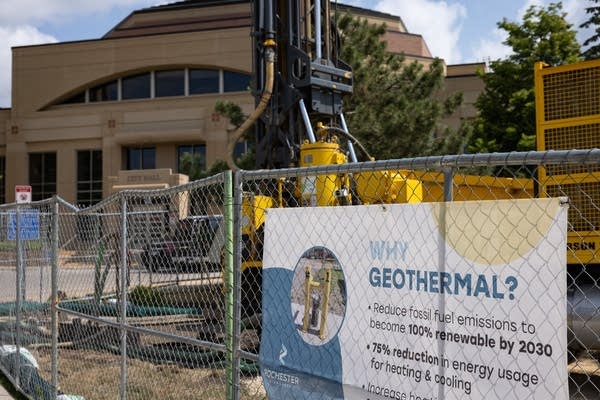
(11,245)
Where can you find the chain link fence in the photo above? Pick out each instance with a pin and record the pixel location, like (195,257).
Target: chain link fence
(317,292)
(158,294)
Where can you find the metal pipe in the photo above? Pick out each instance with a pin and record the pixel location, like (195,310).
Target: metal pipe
(54,295)
(327,19)
(123,290)
(237,276)
(306,119)
(307,25)
(19,299)
(268,18)
(317,11)
(260,108)
(351,150)
(229,309)
(448,184)
(565,157)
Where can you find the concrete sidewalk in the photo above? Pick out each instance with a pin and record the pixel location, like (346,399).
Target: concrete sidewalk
(4,395)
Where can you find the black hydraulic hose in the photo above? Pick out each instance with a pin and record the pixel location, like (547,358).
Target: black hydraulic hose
(354,140)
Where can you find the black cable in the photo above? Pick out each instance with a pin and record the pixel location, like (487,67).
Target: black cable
(353,140)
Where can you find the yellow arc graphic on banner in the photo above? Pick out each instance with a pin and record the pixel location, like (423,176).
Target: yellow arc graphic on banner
(494,232)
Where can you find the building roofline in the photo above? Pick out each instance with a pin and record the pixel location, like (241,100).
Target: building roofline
(104,39)
(121,22)
(416,35)
(465,64)
(367,11)
(25,46)
(180,5)
(185,4)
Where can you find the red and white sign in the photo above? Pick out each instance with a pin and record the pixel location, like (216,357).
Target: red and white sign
(23,194)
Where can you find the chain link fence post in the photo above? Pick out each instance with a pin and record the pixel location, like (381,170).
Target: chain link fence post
(20,295)
(229,287)
(237,279)
(123,298)
(448,197)
(54,297)
(448,183)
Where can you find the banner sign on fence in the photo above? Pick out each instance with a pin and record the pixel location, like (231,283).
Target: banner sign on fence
(425,302)
(29,224)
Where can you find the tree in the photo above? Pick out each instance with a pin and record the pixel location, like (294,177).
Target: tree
(233,112)
(506,120)
(192,165)
(395,108)
(593,13)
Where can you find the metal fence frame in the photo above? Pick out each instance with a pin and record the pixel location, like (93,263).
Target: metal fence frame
(233,186)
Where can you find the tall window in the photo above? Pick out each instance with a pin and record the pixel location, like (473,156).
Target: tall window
(136,86)
(235,81)
(141,158)
(89,177)
(164,83)
(2,180)
(42,175)
(169,83)
(204,81)
(76,98)
(191,160)
(105,92)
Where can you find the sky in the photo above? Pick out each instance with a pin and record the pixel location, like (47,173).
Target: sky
(459,31)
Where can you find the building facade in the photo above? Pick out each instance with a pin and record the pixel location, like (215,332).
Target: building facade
(136,107)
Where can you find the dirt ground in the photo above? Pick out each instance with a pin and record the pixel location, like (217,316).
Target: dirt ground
(95,375)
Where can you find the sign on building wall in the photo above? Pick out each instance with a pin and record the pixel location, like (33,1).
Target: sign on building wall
(22,194)
(429,301)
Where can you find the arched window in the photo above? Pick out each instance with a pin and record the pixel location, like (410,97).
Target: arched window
(163,83)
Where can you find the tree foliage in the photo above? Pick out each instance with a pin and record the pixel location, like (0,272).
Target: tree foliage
(193,165)
(395,108)
(233,112)
(506,120)
(593,13)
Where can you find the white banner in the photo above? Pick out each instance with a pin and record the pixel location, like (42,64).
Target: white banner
(429,301)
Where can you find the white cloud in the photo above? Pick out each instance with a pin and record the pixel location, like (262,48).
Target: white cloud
(17,12)
(576,15)
(491,47)
(439,22)
(527,4)
(20,21)
(15,36)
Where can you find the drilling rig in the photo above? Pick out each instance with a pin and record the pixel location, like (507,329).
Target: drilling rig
(299,85)
(297,39)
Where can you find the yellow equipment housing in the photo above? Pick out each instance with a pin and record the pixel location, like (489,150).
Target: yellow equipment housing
(473,187)
(323,190)
(385,187)
(567,103)
(253,218)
